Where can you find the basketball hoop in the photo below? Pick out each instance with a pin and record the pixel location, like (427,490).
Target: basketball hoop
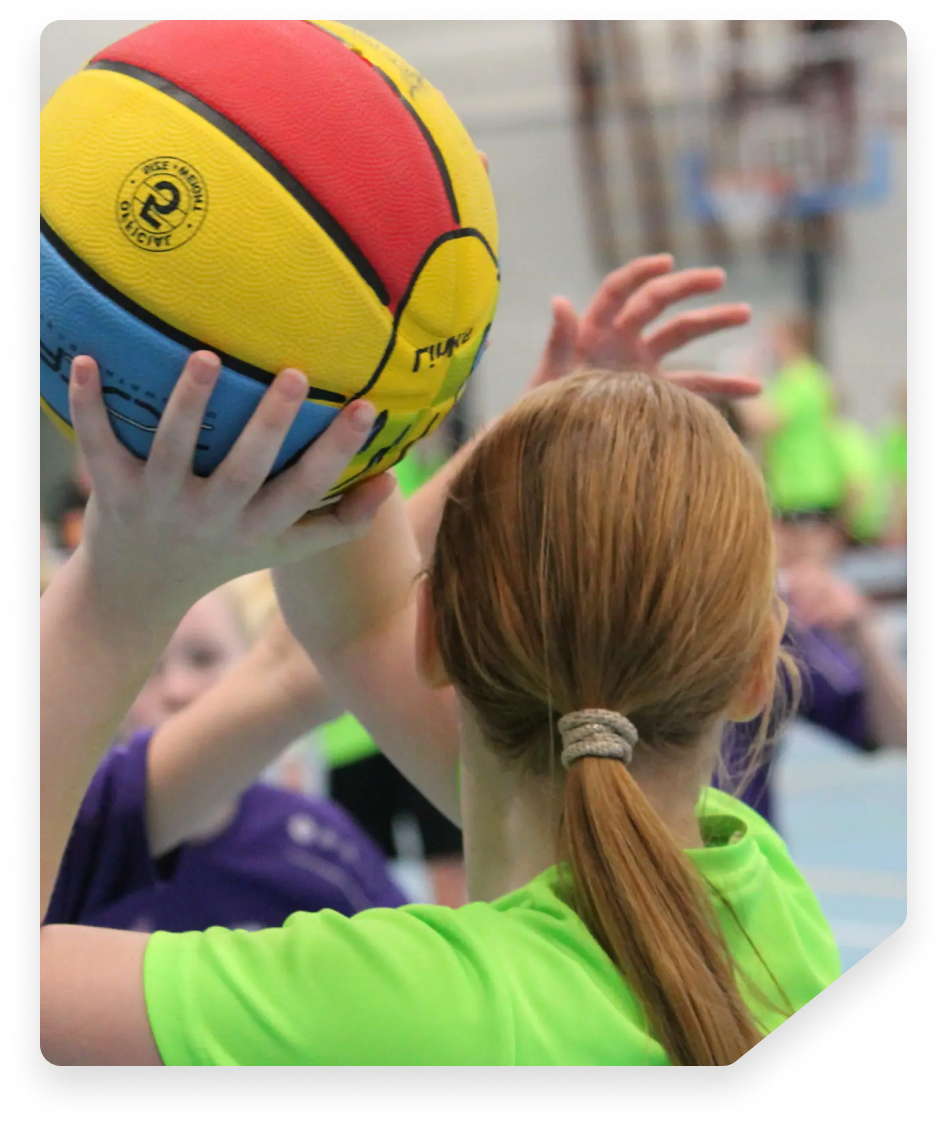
(746,201)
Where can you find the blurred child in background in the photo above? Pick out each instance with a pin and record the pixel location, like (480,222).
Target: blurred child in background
(176,833)
(792,424)
(852,684)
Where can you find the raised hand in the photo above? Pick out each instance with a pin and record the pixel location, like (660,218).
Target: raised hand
(154,529)
(611,333)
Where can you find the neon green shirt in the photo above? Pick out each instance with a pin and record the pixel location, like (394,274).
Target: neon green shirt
(800,459)
(516,982)
(345,740)
(866,479)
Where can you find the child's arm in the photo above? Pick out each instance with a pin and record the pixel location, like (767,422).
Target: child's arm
(156,539)
(886,683)
(820,598)
(93,660)
(201,759)
(362,640)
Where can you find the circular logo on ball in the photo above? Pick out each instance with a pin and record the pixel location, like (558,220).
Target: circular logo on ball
(162,204)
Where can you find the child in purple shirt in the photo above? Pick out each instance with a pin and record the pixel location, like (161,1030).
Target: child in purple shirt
(280,852)
(170,836)
(833,697)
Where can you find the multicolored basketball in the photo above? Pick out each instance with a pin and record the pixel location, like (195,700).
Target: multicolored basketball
(283,192)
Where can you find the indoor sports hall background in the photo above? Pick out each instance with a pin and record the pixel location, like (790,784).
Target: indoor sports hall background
(611,139)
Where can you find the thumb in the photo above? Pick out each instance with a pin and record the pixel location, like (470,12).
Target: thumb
(343,522)
(560,352)
(360,505)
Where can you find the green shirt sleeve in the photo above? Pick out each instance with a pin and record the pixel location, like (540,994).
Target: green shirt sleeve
(384,988)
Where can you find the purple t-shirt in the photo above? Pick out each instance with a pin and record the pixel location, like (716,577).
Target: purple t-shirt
(282,852)
(833,698)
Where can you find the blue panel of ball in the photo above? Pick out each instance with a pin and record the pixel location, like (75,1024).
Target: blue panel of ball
(140,366)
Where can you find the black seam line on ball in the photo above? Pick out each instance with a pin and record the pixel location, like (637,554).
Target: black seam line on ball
(85,271)
(337,492)
(418,120)
(431,144)
(326,220)
(449,236)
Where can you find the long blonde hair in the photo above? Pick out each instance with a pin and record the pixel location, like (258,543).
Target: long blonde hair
(609,545)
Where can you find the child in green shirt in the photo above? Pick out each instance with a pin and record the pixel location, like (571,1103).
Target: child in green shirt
(792,423)
(575,652)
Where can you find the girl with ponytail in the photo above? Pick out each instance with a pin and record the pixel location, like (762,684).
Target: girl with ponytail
(603,596)
(600,602)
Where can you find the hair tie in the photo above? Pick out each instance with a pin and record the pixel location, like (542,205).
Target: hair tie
(595,733)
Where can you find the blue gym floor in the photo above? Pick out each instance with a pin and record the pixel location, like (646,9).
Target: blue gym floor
(843,816)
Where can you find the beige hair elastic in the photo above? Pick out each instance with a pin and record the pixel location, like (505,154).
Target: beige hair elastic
(596,733)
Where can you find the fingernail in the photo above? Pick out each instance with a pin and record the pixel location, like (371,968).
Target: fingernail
(80,372)
(292,385)
(204,367)
(362,416)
